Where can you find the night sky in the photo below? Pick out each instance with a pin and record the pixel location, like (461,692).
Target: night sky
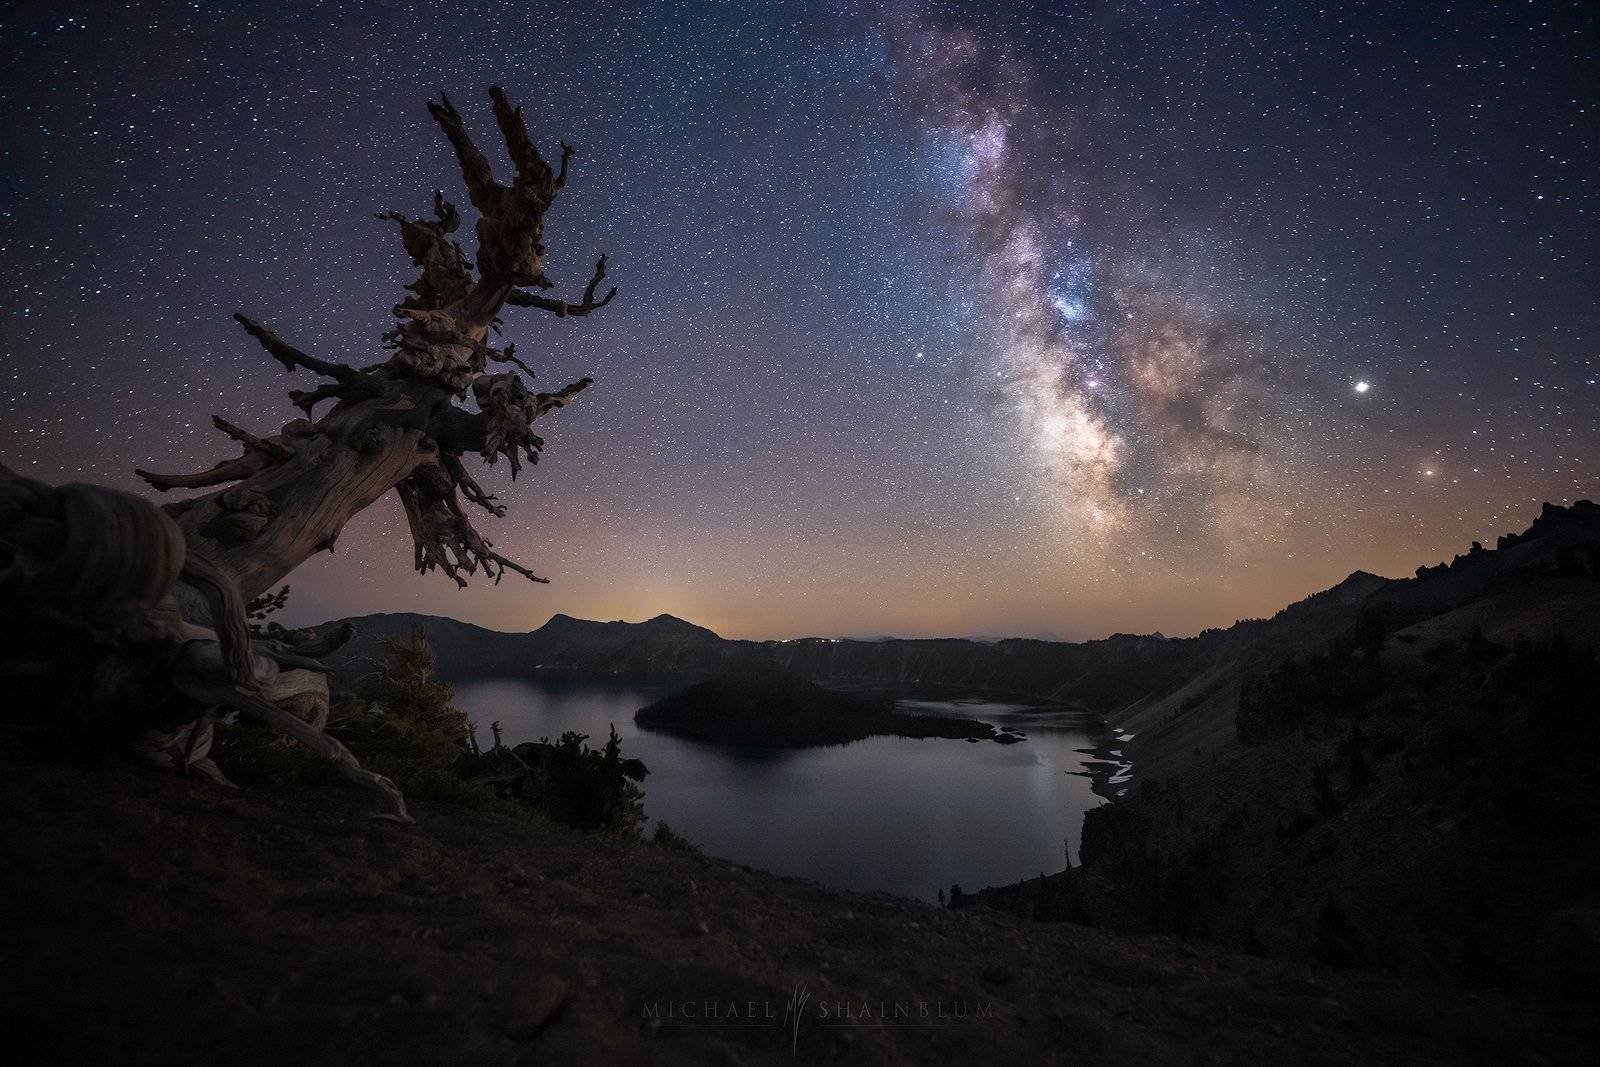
(934,319)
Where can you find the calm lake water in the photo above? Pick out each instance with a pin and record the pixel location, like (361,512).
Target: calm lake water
(902,815)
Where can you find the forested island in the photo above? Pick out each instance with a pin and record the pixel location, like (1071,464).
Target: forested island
(763,704)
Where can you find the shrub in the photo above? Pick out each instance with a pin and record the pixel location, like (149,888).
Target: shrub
(577,786)
(401,725)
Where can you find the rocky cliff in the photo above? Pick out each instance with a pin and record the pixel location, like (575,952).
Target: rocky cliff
(1416,792)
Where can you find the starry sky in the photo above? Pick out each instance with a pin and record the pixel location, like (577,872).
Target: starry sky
(935,319)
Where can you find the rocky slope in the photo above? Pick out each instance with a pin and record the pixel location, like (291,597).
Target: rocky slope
(1417,794)
(148,919)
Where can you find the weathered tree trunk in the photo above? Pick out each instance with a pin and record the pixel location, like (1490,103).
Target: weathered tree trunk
(271,521)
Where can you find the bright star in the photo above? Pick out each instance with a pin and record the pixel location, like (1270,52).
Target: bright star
(1363,386)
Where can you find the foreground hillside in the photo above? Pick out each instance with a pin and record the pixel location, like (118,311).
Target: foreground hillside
(151,919)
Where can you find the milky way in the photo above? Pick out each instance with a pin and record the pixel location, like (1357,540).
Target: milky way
(1122,383)
(933,318)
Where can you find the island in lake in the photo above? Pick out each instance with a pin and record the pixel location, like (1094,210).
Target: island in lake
(767,705)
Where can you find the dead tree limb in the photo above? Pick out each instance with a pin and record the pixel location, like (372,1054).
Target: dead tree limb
(565,308)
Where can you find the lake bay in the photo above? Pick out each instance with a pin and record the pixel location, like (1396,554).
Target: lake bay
(901,815)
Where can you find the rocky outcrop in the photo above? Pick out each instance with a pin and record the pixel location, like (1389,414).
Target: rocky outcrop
(1438,825)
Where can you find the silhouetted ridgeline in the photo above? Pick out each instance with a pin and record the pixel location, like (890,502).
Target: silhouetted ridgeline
(1178,695)
(662,647)
(1101,675)
(670,647)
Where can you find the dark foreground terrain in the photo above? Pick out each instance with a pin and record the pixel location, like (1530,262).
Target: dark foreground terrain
(147,918)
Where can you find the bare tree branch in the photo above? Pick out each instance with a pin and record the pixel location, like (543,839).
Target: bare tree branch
(275,450)
(475,170)
(564,308)
(307,400)
(509,355)
(567,152)
(530,165)
(560,399)
(512,565)
(229,470)
(442,536)
(291,357)
(469,486)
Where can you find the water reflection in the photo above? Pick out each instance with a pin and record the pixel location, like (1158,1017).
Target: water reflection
(902,815)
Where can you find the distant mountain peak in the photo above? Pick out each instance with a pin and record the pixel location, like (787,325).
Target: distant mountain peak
(662,624)
(1563,542)
(1357,583)
(672,623)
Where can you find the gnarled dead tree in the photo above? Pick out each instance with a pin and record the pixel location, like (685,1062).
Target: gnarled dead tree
(406,423)
(400,424)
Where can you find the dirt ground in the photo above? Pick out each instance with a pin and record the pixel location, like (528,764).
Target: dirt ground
(147,919)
